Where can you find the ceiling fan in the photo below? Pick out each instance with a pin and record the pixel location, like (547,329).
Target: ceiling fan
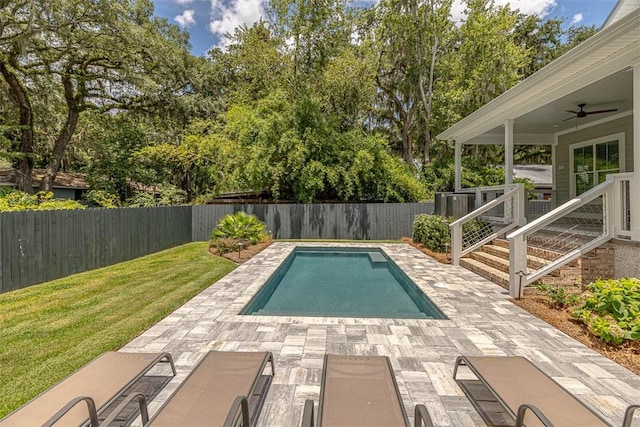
(580,114)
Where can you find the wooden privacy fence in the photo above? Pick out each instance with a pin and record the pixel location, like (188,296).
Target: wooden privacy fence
(353,221)
(37,246)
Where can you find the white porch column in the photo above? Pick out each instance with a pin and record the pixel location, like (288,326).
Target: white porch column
(508,151)
(635,182)
(458,163)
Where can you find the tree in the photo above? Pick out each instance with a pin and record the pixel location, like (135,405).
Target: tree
(197,164)
(114,167)
(411,38)
(316,31)
(101,55)
(296,151)
(256,63)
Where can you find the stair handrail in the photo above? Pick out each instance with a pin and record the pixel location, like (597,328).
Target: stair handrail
(518,270)
(515,191)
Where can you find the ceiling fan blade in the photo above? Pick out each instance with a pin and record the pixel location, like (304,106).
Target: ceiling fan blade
(570,118)
(572,112)
(601,111)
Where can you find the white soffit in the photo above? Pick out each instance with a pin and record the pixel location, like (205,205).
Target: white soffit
(612,50)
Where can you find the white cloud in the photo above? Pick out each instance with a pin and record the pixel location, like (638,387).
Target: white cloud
(226,17)
(576,18)
(539,8)
(186,19)
(182,2)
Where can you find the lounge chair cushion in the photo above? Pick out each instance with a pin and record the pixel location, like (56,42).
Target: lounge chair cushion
(103,379)
(517,381)
(206,396)
(360,391)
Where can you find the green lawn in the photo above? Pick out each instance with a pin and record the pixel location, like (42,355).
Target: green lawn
(49,330)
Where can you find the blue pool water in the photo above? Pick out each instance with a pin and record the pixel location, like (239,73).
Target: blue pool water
(343,282)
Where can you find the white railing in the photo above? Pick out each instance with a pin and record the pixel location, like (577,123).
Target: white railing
(622,209)
(490,221)
(569,231)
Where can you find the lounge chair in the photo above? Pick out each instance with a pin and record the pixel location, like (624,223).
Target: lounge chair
(360,391)
(524,391)
(97,384)
(223,389)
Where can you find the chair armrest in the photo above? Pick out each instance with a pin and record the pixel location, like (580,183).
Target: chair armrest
(239,404)
(307,415)
(91,406)
(422,417)
(142,401)
(537,412)
(628,415)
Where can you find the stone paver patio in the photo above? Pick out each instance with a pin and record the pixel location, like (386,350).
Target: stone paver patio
(482,321)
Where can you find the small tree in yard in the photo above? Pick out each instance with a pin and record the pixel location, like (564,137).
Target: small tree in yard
(235,228)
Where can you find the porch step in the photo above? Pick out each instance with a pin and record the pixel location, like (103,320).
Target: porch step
(537,255)
(496,276)
(492,262)
(534,262)
(497,262)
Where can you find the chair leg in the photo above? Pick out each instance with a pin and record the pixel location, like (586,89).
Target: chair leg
(307,416)
(422,417)
(628,415)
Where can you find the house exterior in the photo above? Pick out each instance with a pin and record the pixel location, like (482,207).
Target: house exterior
(66,185)
(586,106)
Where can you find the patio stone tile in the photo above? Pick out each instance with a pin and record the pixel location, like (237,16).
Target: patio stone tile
(481,321)
(593,370)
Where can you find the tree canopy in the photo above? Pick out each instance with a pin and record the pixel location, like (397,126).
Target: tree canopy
(321,100)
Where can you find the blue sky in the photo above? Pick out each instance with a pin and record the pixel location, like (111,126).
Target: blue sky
(208,20)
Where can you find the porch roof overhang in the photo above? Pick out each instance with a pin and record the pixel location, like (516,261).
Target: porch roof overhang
(596,73)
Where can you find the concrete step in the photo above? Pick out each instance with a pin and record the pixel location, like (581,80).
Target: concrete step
(490,273)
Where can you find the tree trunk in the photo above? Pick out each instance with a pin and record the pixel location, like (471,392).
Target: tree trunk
(58,151)
(63,138)
(24,180)
(407,144)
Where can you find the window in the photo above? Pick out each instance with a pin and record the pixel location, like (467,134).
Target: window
(593,160)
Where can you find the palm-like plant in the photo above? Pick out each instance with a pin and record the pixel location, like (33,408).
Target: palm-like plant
(240,226)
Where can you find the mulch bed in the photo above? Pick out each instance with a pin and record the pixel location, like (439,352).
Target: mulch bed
(245,254)
(439,256)
(541,306)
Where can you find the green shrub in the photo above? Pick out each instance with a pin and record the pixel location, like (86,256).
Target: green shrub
(611,309)
(559,296)
(102,198)
(432,231)
(240,226)
(14,200)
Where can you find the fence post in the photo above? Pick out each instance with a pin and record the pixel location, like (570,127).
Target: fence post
(456,243)
(611,202)
(517,265)
(520,206)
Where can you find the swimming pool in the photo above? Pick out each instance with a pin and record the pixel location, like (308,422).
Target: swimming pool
(341,282)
